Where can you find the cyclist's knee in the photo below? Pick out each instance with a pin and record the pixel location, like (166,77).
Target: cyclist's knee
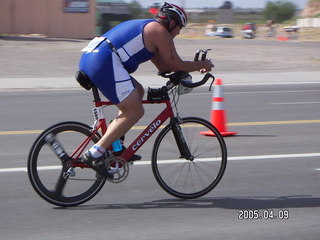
(132,106)
(141,112)
(136,113)
(141,93)
(139,87)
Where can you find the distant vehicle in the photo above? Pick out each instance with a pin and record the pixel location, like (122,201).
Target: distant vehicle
(291,31)
(248,34)
(249,30)
(223,32)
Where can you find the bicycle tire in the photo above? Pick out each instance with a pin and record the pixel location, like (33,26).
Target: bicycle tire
(186,178)
(42,170)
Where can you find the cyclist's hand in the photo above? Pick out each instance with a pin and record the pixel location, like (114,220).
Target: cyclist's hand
(207,66)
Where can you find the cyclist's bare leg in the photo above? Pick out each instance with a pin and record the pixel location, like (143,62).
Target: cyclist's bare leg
(140,89)
(130,111)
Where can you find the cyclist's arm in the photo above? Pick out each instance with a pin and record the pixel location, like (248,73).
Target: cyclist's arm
(166,58)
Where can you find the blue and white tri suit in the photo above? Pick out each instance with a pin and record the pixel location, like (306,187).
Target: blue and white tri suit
(110,69)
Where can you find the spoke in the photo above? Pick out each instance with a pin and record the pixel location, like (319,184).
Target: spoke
(178,173)
(60,184)
(56,147)
(202,165)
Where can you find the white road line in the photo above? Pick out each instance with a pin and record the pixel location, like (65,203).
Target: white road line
(7,170)
(261,157)
(274,91)
(294,103)
(240,158)
(24,169)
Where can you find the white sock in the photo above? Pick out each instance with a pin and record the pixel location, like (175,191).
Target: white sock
(96,151)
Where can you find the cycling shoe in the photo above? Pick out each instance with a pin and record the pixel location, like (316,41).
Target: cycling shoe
(96,164)
(135,157)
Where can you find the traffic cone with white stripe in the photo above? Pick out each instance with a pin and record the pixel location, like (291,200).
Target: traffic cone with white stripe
(218,114)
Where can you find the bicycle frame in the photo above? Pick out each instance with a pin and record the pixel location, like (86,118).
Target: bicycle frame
(148,131)
(101,124)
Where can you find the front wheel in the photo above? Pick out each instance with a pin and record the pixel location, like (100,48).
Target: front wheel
(195,175)
(51,168)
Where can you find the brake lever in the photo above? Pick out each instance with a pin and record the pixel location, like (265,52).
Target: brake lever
(213,79)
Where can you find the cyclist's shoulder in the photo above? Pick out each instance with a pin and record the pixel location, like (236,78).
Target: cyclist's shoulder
(155,35)
(154,26)
(135,23)
(155,31)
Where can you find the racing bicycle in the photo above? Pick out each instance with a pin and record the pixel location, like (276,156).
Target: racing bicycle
(185,162)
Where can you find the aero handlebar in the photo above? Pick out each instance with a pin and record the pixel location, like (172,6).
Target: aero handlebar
(199,83)
(204,54)
(177,77)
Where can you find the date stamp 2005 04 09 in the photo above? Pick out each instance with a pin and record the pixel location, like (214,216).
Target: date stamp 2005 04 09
(267,214)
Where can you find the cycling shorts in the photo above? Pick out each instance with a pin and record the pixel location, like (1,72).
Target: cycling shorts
(106,70)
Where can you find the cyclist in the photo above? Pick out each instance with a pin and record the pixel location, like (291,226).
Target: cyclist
(110,59)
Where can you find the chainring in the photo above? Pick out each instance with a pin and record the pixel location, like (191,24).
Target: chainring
(118,167)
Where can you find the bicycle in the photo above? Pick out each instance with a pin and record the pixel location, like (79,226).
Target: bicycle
(185,163)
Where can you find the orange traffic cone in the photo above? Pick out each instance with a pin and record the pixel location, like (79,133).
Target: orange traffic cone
(218,114)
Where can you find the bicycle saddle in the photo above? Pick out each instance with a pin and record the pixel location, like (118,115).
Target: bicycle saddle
(84,80)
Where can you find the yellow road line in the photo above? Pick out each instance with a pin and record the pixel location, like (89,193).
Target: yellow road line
(20,132)
(229,124)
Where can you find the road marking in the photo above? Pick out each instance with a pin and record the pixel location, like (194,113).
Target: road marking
(261,157)
(240,158)
(269,83)
(262,92)
(293,103)
(24,169)
(274,91)
(22,132)
(8,170)
(274,122)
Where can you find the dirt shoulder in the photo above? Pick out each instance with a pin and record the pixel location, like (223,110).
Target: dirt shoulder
(49,59)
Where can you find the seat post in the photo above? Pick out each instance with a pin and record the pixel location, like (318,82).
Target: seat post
(95,92)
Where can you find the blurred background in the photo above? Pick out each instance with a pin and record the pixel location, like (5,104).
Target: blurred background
(84,19)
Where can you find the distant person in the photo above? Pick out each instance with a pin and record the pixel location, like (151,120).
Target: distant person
(271,28)
(110,59)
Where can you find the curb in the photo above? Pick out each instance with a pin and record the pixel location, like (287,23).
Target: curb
(156,81)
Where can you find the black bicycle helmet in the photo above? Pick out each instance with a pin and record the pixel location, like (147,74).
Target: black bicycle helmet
(174,12)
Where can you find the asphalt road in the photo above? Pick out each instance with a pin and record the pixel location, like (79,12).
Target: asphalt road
(274,160)
(273,168)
